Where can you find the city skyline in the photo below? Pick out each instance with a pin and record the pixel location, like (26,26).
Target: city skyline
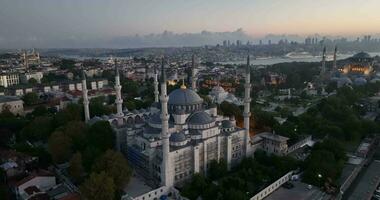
(53,23)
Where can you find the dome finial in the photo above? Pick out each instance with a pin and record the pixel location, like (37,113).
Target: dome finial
(183,86)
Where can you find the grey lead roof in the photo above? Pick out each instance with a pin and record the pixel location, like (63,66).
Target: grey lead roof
(177,137)
(200,117)
(184,97)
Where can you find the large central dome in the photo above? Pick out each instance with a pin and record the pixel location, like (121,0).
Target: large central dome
(184,96)
(184,100)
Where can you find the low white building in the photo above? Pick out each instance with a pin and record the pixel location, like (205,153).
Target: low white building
(31,75)
(12,103)
(34,184)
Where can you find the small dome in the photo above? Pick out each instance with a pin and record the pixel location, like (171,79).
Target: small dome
(184,96)
(227,124)
(177,137)
(360,81)
(345,80)
(200,117)
(375,80)
(155,118)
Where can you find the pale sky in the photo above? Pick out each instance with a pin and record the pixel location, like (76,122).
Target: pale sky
(77,19)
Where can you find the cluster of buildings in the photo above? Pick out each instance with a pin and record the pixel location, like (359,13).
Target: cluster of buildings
(26,181)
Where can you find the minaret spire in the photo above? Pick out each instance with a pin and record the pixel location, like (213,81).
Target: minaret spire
(86,102)
(155,84)
(118,100)
(193,74)
(323,70)
(247,101)
(334,62)
(166,175)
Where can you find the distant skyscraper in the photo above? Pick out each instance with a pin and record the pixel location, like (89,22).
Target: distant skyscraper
(269,42)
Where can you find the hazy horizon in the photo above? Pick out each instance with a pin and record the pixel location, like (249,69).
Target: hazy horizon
(75,23)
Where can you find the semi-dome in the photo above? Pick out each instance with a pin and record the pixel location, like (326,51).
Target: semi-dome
(177,137)
(200,117)
(227,124)
(184,96)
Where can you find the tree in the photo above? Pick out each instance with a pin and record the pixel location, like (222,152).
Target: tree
(40,111)
(76,167)
(98,107)
(99,186)
(101,136)
(59,146)
(76,130)
(38,129)
(31,98)
(217,169)
(72,112)
(32,81)
(234,194)
(195,188)
(115,166)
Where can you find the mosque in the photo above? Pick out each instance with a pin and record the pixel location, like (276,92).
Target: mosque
(180,135)
(356,70)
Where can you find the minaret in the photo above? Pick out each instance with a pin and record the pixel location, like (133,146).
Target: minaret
(247,101)
(118,100)
(323,69)
(193,75)
(155,84)
(86,102)
(166,176)
(334,62)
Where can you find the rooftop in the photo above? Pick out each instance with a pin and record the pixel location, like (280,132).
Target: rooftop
(136,187)
(4,99)
(275,137)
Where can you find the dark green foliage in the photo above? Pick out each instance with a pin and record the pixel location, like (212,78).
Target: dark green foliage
(296,73)
(44,158)
(325,162)
(31,98)
(250,176)
(217,169)
(73,112)
(115,166)
(66,64)
(263,119)
(101,136)
(38,129)
(98,107)
(229,109)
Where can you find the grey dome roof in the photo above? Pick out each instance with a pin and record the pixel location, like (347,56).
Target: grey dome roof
(184,97)
(155,118)
(177,137)
(200,117)
(227,124)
